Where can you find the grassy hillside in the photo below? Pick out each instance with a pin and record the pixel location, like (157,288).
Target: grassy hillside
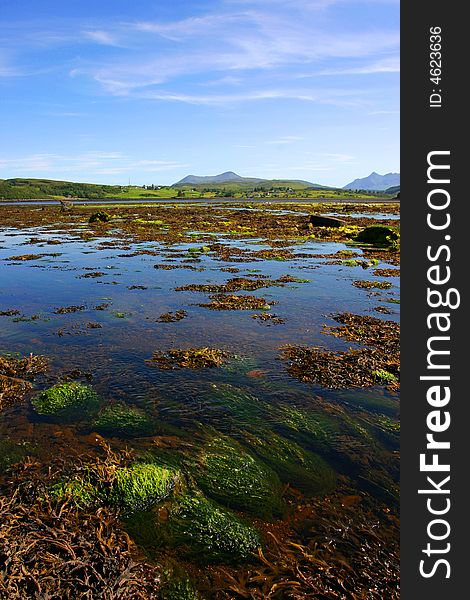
(17,189)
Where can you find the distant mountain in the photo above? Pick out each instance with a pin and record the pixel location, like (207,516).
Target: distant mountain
(231,178)
(374,182)
(222,178)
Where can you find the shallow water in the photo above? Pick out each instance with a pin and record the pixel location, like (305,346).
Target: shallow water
(252,395)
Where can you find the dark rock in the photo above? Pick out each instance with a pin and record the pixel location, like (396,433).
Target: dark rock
(101,216)
(320,221)
(379,235)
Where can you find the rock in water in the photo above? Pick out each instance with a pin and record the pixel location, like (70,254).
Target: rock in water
(320,221)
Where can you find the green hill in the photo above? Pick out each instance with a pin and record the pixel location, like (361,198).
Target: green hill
(26,189)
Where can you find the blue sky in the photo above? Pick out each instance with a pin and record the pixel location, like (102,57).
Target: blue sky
(154,90)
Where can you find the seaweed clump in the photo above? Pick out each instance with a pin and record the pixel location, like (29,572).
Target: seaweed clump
(50,549)
(212,533)
(362,367)
(141,485)
(232,476)
(368,285)
(294,465)
(241,302)
(120,419)
(65,310)
(344,548)
(67,400)
(336,370)
(268,318)
(192,358)
(369,331)
(171,317)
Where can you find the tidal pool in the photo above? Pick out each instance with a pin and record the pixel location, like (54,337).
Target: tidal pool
(250,451)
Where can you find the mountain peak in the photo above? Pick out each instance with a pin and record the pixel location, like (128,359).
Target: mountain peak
(375,182)
(221,178)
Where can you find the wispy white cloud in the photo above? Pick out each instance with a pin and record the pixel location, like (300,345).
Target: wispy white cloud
(102,37)
(386,65)
(333,97)
(285,139)
(94,162)
(253,46)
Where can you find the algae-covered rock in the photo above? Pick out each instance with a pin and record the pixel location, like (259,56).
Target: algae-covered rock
(237,405)
(99,217)
(315,426)
(294,465)
(213,534)
(67,400)
(378,235)
(142,485)
(122,420)
(233,477)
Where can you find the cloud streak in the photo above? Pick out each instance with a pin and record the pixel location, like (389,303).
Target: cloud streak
(93,162)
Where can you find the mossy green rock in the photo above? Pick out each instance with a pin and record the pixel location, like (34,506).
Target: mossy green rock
(233,477)
(142,485)
(212,533)
(317,428)
(294,465)
(67,400)
(379,235)
(122,420)
(237,405)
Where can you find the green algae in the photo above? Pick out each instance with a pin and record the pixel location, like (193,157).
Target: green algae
(233,477)
(142,485)
(81,492)
(177,587)
(384,377)
(122,420)
(212,533)
(67,400)
(238,405)
(239,365)
(313,426)
(293,464)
